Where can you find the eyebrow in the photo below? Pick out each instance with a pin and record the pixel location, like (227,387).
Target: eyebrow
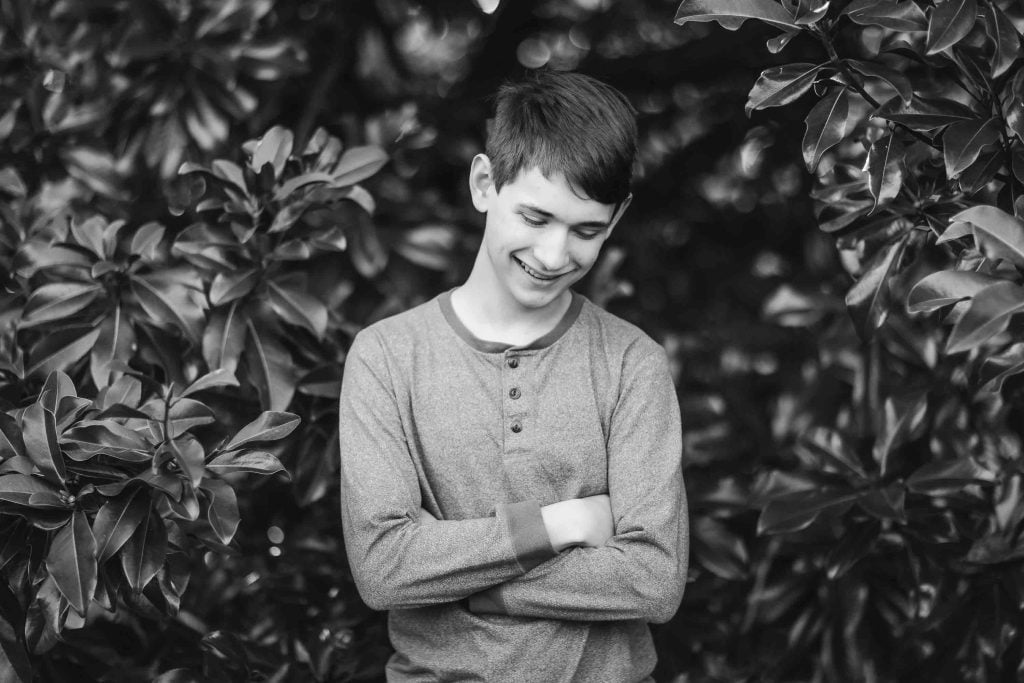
(547,214)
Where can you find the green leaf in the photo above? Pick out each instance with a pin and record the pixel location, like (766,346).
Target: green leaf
(1005,39)
(222,509)
(217,378)
(60,350)
(92,437)
(257,462)
(868,301)
(117,520)
(113,349)
(826,126)
(15,665)
(895,79)
(358,164)
(829,447)
(143,553)
(923,114)
(39,429)
(269,426)
(146,241)
(89,234)
(963,141)
(781,85)
(884,166)
(898,16)
(11,442)
(58,301)
(298,307)
(983,170)
(950,23)
(228,286)
(230,172)
(368,254)
(286,189)
(810,12)
(946,287)
(988,314)
(948,476)
(72,562)
(185,413)
(35,255)
(730,14)
(955,231)
(42,619)
(997,234)
(224,338)
(270,368)
(190,456)
(719,550)
(273,148)
(169,303)
(19,488)
(997,369)
(795,511)
(901,420)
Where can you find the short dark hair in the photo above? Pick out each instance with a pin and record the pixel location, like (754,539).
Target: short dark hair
(564,123)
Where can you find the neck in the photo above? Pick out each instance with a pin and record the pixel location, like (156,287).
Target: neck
(489,311)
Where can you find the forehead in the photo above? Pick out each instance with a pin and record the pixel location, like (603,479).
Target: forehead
(554,195)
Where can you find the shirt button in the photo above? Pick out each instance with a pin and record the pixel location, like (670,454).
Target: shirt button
(516,427)
(513,363)
(514,393)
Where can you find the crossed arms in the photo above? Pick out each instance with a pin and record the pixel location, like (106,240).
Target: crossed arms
(588,559)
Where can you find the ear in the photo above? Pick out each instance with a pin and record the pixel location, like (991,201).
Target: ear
(619,210)
(481,185)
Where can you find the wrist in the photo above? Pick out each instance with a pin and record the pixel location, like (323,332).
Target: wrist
(559,521)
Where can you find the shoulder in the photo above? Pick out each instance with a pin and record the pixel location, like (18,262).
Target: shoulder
(618,338)
(396,333)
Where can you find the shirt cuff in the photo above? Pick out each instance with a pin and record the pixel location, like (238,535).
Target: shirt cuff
(529,535)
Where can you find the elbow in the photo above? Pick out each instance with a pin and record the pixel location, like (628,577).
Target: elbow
(660,599)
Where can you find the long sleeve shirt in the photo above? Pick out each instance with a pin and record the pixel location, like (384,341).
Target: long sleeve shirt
(482,435)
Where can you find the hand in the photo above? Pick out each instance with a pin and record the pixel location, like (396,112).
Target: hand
(579,522)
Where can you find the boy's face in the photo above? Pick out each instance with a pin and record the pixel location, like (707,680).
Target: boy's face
(540,236)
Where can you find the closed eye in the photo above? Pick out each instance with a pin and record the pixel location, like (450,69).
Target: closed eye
(587,234)
(530,220)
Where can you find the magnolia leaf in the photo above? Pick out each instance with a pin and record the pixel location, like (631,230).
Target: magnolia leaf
(963,141)
(273,148)
(143,554)
(257,462)
(1005,39)
(72,561)
(42,618)
(369,256)
(228,286)
(997,369)
(217,378)
(809,12)
(15,665)
(39,429)
(12,444)
(91,437)
(901,419)
(146,241)
(948,476)
(826,126)
(775,45)
(868,301)
(287,188)
(58,301)
(781,85)
(950,23)
(898,16)
(230,172)
(222,509)
(997,234)
(955,231)
(270,368)
(884,166)
(114,348)
(946,287)
(895,79)
(795,511)
(18,488)
(298,307)
(224,338)
(829,447)
(983,170)
(429,246)
(358,164)
(719,550)
(117,520)
(925,115)
(168,302)
(988,314)
(730,14)
(89,234)
(269,426)
(126,391)
(35,255)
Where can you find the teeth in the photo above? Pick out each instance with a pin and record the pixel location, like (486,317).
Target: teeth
(531,271)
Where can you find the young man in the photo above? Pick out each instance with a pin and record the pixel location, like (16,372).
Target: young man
(511,482)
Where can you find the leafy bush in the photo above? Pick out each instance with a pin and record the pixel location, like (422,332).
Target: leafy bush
(892,503)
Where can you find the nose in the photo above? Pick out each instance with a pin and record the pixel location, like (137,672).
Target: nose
(551,249)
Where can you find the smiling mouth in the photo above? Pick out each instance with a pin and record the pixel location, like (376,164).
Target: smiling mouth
(536,275)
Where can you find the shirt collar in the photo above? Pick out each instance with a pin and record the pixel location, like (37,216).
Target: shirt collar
(545,340)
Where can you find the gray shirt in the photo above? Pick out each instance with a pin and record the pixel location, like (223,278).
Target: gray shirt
(482,435)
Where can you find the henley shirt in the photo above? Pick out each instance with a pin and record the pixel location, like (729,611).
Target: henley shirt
(482,435)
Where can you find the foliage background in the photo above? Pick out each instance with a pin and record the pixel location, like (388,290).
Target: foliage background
(853,473)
